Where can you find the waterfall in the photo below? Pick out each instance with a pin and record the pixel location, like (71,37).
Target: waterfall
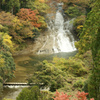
(59,38)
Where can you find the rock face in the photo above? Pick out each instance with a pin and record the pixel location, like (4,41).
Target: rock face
(58,37)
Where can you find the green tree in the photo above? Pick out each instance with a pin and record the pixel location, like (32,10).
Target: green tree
(58,73)
(42,7)
(10,5)
(90,39)
(7,65)
(26,3)
(32,93)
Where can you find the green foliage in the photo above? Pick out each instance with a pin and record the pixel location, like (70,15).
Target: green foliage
(42,7)
(26,3)
(78,23)
(73,66)
(91,37)
(1,61)
(79,84)
(50,76)
(74,8)
(32,93)
(73,11)
(6,72)
(60,73)
(1,87)
(7,65)
(10,5)
(46,95)
(83,3)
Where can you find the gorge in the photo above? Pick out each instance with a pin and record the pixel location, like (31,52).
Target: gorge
(53,42)
(58,41)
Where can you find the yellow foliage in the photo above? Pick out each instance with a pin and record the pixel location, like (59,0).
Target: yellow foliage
(42,21)
(79,27)
(1,26)
(7,41)
(17,23)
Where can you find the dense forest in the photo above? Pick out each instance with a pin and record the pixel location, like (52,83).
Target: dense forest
(25,20)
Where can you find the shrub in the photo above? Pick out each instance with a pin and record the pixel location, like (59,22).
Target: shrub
(78,83)
(62,96)
(58,73)
(72,11)
(32,93)
(72,66)
(50,75)
(78,23)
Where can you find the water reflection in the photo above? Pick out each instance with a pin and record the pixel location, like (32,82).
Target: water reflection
(25,67)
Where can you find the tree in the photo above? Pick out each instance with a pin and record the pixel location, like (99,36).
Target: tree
(32,16)
(90,40)
(41,6)
(7,65)
(58,73)
(10,5)
(62,96)
(26,3)
(16,28)
(32,93)
(28,14)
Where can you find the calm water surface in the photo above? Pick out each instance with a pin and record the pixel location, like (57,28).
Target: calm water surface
(25,67)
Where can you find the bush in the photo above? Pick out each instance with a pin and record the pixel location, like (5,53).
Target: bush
(50,75)
(32,93)
(78,23)
(62,96)
(72,11)
(79,84)
(58,73)
(71,65)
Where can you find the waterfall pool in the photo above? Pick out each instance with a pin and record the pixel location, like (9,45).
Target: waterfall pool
(25,66)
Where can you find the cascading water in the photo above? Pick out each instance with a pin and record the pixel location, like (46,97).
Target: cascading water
(60,38)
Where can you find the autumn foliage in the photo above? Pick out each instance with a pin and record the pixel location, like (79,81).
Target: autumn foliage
(28,14)
(18,29)
(62,96)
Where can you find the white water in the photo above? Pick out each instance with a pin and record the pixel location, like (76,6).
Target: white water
(60,38)
(65,39)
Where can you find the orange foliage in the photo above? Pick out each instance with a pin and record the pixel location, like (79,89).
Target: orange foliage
(42,1)
(17,28)
(28,14)
(62,96)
